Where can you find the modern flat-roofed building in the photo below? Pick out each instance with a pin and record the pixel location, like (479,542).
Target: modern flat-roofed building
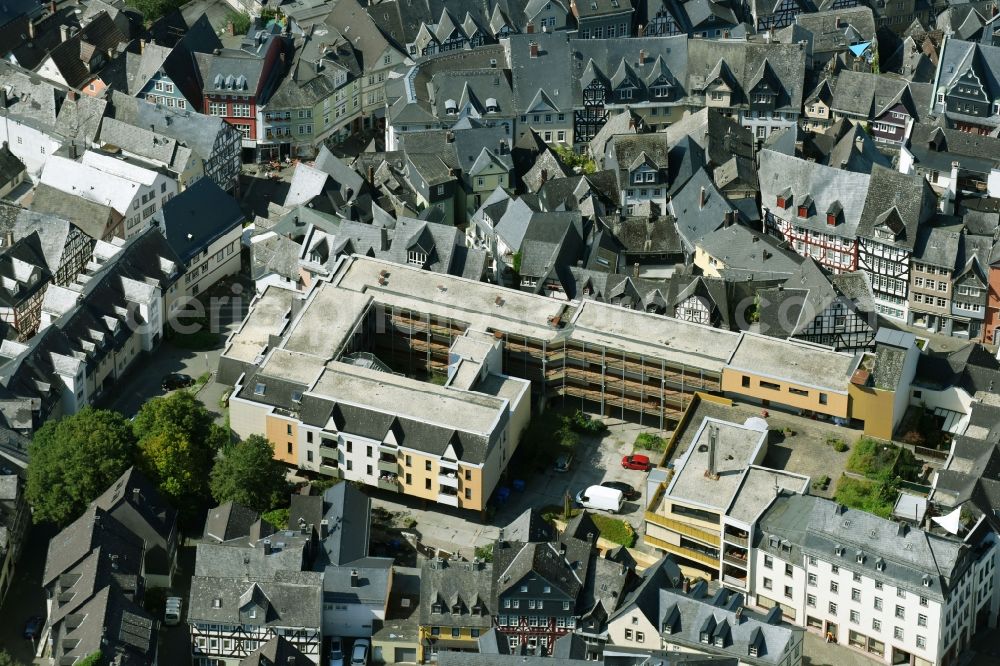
(705,514)
(330,406)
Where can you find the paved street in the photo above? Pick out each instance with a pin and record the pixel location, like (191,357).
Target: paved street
(25,597)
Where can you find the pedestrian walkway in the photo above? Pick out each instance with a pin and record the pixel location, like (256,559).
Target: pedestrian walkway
(818,652)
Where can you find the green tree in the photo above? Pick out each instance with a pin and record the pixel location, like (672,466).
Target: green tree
(92,659)
(75,459)
(177,444)
(573,159)
(249,475)
(7,659)
(241,22)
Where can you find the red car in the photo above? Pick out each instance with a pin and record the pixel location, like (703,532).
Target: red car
(638,462)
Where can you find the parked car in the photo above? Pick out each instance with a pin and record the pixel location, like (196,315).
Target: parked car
(359,654)
(336,652)
(172,612)
(563,462)
(599,497)
(176,380)
(630,493)
(637,461)
(33,627)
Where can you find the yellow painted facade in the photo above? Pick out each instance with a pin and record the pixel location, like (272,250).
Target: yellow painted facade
(785,393)
(283,433)
(875,408)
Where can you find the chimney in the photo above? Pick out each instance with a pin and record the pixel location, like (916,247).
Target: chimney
(530,28)
(545,176)
(9,238)
(267,546)
(52,7)
(135,494)
(72,156)
(686,585)
(71,95)
(63,32)
(449,137)
(635,270)
(3,97)
(371,174)
(701,198)
(859,142)
(642,30)
(31,29)
(355,578)
(713,436)
(533,48)
(642,56)
(142,46)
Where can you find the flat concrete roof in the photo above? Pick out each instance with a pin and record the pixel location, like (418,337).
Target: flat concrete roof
(796,362)
(736,448)
(326,321)
(666,338)
(291,366)
(266,318)
(759,488)
(468,411)
(481,305)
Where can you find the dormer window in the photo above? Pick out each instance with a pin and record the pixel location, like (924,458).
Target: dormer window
(720,641)
(803,211)
(437,608)
(784,200)
(456,609)
(451,107)
(880,564)
(753,650)
(661,91)
(416,258)
(705,638)
(831,219)
(491,105)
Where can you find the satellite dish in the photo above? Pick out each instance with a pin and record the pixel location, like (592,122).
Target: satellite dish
(951,521)
(756,423)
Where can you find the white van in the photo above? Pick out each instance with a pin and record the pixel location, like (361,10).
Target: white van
(172,614)
(601,497)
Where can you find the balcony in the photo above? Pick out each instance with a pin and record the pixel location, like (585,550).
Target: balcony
(735,581)
(448,465)
(329,470)
(736,540)
(328,451)
(449,479)
(389,482)
(445,498)
(736,559)
(681,551)
(388,466)
(683,528)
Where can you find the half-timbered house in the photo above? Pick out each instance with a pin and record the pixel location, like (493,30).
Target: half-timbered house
(894,209)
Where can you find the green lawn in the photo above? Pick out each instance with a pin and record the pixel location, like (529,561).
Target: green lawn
(614,529)
(649,442)
(871,496)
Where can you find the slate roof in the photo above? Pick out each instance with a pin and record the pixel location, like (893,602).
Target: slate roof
(122,631)
(198,216)
(747,253)
(456,585)
(695,221)
(229,521)
(565,571)
(94,219)
(74,56)
(827,189)
(294,599)
(528,527)
(910,196)
(347,511)
(10,166)
(744,60)
(546,80)
(869,95)
(838,29)
(816,526)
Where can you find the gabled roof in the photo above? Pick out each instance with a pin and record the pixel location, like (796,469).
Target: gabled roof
(198,216)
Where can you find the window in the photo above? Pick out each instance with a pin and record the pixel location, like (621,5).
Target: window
(921,642)
(767,583)
(427,465)
(788,591)
(640,637)
(768,562)
(822,398)
(897,633)
(628,634)
(878,584)
(289,447)
(921,620)
(771,386)
(901,593)
(855,617)
(832,608)
(856,577)
(812,580)
(877,625)
(788,569)
(834,586)
(878,603)
(309,456)
(900,612)
(811,600)
(427,482)
(855,594)
(923,601)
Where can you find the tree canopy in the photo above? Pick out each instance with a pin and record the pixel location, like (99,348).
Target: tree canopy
(74,460)
(177,443)
(249,475)
(7,659)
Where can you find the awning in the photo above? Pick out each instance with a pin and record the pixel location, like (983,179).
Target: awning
(953,421)
(449,643)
